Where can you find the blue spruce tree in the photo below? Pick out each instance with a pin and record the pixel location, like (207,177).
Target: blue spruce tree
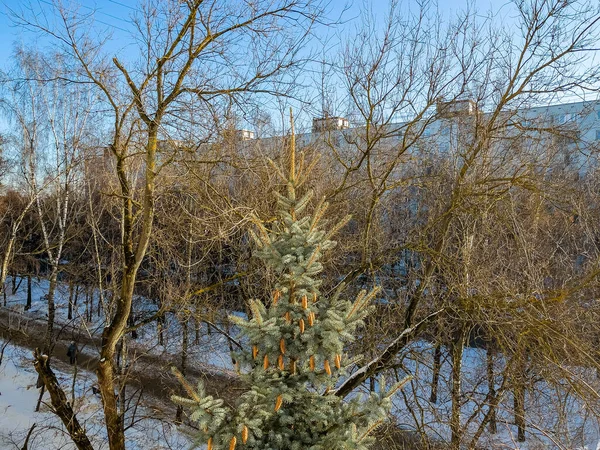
(296,343)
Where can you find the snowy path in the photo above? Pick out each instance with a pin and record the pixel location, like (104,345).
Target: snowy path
(150,371)
(18,397)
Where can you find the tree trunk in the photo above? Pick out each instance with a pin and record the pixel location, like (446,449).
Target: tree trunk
(28,437)
(3,277)
(122,385)
(70,308)
(18,285)
(39,401)
(133,255)
(491,388)
(455,415)
(106,367)
(131,323)
(435,380)
(184,355)
(4,267)
(519,396)
(76,296)
(229,344)
(100,302)
(88,315)
(160,329)
(29,299)
(62,407)
(51,311)
(197,330)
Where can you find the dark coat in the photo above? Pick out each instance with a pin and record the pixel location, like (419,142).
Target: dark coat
(72,352)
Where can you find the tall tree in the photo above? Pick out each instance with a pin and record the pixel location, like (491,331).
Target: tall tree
(190,55)
(295,351)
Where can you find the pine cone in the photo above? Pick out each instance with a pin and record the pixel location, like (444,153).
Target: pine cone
(278,402)
(338,361)
(327,368)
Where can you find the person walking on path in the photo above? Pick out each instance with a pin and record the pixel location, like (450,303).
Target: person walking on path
(72,352)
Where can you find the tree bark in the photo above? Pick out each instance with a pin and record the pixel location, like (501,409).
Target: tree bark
(29,433)
(435,380)
(70,307)
(184,355)
(491,388)
(105,372)
(51,311)
(62,408)
(133,256)
(456,391)
(29,299)
(519,396)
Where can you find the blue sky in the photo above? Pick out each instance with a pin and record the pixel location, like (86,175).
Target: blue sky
(109,14)
(115,14)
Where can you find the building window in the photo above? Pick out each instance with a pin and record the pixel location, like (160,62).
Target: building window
(598,135)
(598,114)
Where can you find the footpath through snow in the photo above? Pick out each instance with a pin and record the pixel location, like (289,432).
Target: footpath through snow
(210,361)
(18,398)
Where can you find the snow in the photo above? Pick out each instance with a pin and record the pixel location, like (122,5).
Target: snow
(210,350)
(18,397)
(545,405)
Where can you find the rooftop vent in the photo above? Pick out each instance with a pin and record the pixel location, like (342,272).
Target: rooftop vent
(244,135)
(321,124)
(235,135)
(456,108)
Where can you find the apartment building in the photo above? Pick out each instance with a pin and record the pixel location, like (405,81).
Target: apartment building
(574,127)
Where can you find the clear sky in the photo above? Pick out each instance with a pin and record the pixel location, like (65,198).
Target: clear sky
(115,15)
(109,14)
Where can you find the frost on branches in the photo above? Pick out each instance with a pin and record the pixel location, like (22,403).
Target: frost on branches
(295,354)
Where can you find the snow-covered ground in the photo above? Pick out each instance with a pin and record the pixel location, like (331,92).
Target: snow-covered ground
(546,406)
(18,398)
(210,349)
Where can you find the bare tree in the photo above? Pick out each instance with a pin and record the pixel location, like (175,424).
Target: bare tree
(498,73)
(190,54)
